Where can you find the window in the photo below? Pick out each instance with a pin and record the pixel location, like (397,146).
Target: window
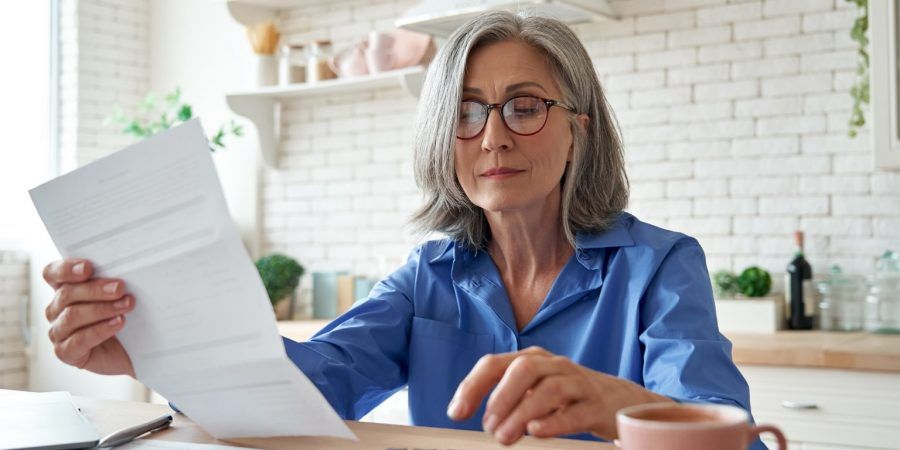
(884,16)
(26,80)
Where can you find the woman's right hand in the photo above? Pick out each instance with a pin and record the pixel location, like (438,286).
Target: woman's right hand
(85,315)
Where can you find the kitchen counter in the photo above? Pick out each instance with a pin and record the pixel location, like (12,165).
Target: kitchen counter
(818,349)
(300,330)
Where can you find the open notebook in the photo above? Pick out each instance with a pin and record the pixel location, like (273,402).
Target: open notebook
(43,420)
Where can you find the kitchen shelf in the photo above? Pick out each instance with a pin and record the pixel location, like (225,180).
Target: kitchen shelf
(252,12)
(436,17)
(261,105)
(441,17)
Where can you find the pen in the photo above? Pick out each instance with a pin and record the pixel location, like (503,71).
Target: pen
(131,433)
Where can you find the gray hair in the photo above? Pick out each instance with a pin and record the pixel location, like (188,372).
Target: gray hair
(594,184)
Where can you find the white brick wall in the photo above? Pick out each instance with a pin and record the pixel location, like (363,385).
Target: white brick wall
(734,116)
(104,62)
(786,68)
(13,294)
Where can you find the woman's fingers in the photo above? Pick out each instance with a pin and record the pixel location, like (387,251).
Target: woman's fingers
(67,271)
(67,294)
(76,349)
(574,418)
(80,315)
(522,374)
(481,379)
(551,393)
(488,371)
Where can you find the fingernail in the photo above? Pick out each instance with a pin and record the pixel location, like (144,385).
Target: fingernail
(121,304)
(489,423)
(110,288)
(115,320)
(454,410)
(503,435)
(78,269)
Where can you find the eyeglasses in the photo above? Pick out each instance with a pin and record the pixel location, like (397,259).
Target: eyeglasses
(524,115)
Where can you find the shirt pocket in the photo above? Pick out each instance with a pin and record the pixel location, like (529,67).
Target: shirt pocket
(441,355)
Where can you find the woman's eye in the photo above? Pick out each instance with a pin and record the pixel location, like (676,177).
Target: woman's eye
(525,112)
(468,117)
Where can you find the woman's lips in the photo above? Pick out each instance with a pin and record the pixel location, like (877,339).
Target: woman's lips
(500,173)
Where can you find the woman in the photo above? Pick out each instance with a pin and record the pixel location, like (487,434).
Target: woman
(545,311)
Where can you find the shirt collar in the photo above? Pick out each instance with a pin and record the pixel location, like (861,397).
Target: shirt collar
(442,250)
(618,235)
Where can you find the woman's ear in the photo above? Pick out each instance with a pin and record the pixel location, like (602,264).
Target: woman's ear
(583,120)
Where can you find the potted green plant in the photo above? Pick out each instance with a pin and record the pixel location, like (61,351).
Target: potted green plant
(743,303)
(154,116)
(280,275)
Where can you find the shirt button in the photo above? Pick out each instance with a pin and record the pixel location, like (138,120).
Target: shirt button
(475,283)
(582,255)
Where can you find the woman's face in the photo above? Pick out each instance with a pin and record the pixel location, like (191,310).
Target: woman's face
(530,166)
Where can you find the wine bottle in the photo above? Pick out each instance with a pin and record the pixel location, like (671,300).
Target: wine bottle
(798,293)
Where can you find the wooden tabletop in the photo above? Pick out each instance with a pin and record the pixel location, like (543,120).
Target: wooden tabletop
(111,415)
(823,349)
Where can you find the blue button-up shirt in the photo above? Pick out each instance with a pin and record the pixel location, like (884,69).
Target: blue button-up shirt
(634,301)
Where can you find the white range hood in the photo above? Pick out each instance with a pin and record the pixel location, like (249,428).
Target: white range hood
(441,17)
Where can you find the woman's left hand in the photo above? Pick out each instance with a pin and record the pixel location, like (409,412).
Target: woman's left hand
(544,394)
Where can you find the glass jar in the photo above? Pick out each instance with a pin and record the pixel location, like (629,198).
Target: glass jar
(883,305)
(883,298)
(317,66)
(292,65)
(841,304)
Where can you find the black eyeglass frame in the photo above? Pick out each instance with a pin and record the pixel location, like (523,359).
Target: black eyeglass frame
(499,107)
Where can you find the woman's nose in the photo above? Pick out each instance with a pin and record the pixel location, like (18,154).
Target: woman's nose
(496,136)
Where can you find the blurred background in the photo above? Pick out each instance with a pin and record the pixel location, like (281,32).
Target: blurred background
(744,121)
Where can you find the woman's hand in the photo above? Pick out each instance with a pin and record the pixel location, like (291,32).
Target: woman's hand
(85,315)
(544,394)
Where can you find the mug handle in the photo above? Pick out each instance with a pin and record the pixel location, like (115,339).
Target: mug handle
(755,431)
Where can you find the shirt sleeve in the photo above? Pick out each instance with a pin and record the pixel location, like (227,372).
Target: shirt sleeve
(361,358)
(685,356)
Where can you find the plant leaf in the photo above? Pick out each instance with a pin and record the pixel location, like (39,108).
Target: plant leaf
(185,113)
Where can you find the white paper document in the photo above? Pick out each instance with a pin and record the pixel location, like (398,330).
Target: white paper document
(203,333)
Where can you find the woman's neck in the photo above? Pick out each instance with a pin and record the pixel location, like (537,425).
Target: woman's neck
(528,243)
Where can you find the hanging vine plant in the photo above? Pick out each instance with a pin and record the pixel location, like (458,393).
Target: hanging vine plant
(860,89)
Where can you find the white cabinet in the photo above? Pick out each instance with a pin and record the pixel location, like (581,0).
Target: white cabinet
(852,409)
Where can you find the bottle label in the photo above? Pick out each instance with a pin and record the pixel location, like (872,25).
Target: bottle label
(787,297)
(809,299)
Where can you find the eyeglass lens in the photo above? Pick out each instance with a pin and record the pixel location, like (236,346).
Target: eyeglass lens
(524,115)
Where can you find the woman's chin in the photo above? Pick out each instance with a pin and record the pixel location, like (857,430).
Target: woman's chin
(504,205)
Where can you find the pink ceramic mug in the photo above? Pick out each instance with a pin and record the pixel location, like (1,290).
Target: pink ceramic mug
(673,426)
